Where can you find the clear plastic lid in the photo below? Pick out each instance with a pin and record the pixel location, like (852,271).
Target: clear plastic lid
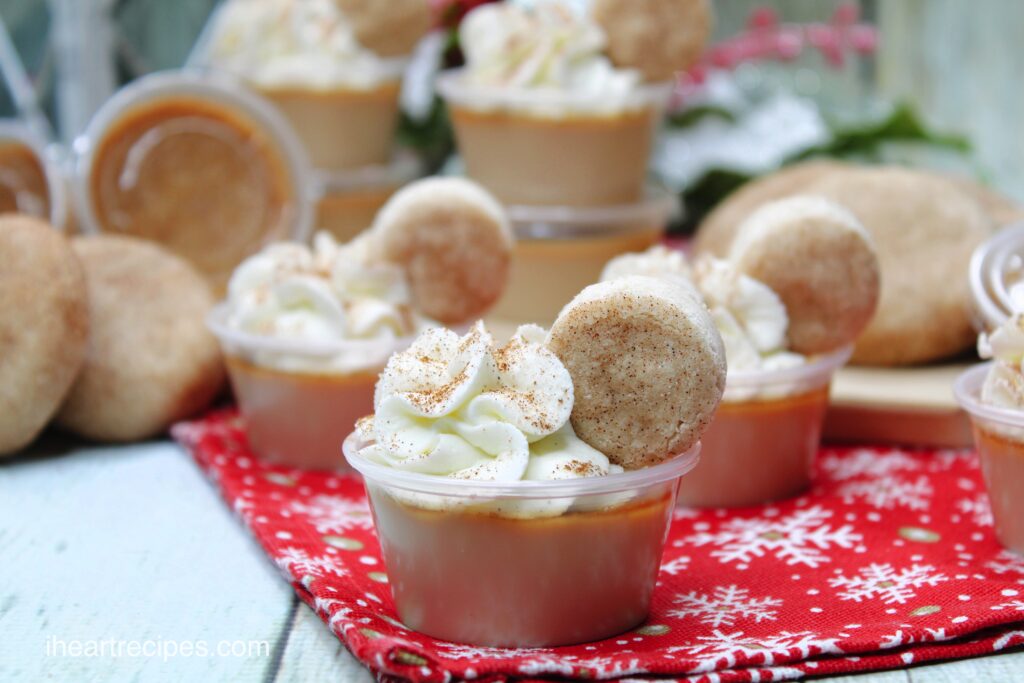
(568,222)
(193,160)
(967,390)
(403,169)
(996,266)
(452,86)
(52,207)
(416,482)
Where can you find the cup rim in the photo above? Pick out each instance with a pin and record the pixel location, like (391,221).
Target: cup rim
(818,367)
(966,390)
(538,222)
(450,86)
(218,88)
(402,169)
(986,275)
(672,468)
(217,324)
(13,129)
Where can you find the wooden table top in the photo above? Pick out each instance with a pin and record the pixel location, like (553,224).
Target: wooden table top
(132,543)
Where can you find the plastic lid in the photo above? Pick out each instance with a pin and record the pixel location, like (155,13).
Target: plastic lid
(403,169)
(53,207)
(195,161)
(996,266)
(566,222)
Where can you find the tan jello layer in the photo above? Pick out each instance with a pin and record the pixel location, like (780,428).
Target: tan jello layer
(757,451)
(346,213)
(193,176)
(1002,465)
(341,128)
(300,419)
(547,273)
(24,187)
(485,579)
(572,160)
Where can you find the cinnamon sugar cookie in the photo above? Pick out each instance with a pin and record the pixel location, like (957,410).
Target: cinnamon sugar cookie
(647,365)
(718,228)
(44,326)
(390,28)
(924,229)
(454,241)
(151,360)
(820,261)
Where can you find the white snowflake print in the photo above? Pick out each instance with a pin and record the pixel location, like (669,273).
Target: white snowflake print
(1008,640)
(1015,605)
(798,538)
(723,650)
(977,508)
(867,462)
(724,605)
(296,563)
(1006,563)
(598,668)
(676,566)
(334,514)
(885,582)
(898,639)
(888,493)
(458,651)
(682,512)
(340,620)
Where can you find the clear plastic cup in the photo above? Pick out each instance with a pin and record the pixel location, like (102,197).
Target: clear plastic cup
(999,439)
(996,265)
(522,564)
(561,249)
(299,400)
(349,200)
(31,180)
(761,444)
(196,162)
(342,128)
(553,147)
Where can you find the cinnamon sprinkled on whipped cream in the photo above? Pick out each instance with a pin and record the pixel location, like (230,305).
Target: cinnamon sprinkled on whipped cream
(464,408)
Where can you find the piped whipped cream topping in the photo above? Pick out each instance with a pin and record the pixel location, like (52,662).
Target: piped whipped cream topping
(1004,384)
(326,294)
(464,408)
(547,48)
(750,317)
(294,43)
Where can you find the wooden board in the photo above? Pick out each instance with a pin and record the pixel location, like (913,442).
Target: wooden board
(911,406)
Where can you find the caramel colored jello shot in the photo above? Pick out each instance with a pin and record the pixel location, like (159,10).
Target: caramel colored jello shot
(993,396)
(196,163)
(801,284)
(541,114)
(522,499)
(306,330)
(349,200)
(30,181)
(332,67)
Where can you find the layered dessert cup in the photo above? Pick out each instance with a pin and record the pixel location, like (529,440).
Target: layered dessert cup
(561,249)
(349,200)
(467,562)
(762,442)
(999,439)
(300,399)
(197,163)
(307,58)
(553,147)
(30,179)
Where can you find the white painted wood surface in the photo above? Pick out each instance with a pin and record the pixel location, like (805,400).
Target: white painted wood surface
(132,543)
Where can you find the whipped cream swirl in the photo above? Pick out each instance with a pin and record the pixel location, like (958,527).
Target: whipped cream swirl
(658,261)
(463,408)
(294,43)
(326,294)
(546,49)
(1004,384)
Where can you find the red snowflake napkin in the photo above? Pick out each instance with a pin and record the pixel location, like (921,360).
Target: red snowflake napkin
(889,561)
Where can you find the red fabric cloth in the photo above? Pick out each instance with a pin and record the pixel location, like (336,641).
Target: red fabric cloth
(890,560)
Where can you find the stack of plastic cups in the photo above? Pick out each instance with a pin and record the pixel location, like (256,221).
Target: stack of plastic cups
(572,172)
